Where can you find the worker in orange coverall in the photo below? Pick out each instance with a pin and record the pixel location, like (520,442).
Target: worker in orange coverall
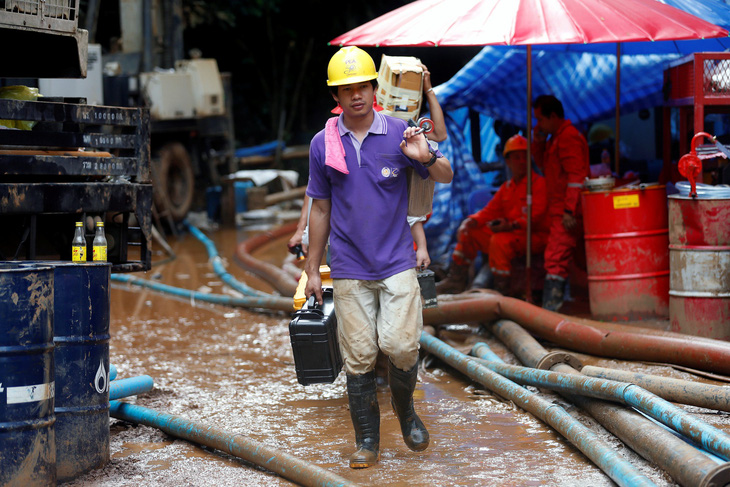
(499,230)
(564,159)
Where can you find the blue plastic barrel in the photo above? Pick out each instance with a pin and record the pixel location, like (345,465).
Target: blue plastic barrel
(240,195)
(27,420)
(81,337)
(213,202)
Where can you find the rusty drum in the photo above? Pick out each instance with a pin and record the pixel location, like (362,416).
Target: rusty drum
(27,370)
(627,256)
(699,261)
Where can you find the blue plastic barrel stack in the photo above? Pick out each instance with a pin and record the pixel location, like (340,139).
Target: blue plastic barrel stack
(76,348)
(27,420)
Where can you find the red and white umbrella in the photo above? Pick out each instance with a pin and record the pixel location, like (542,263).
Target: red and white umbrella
(528,22)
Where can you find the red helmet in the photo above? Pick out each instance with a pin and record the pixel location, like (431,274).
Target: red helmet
(516,142)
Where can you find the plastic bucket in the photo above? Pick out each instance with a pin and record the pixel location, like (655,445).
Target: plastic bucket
(81,337)
(699,260)
(27,420)
(627,256)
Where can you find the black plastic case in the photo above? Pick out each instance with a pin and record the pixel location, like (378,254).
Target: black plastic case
(427,281)
(313,334)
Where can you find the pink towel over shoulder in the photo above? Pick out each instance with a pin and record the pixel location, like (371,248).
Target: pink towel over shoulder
(334,151)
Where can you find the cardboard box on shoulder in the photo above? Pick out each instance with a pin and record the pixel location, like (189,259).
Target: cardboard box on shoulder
(400,86)
(420,194)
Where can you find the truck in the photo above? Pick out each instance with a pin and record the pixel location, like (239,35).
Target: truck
(190,102)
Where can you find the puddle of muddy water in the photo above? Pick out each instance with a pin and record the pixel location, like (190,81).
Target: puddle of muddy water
(233,368)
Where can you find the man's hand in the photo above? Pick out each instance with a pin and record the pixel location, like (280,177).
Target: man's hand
(569,222)
(466,224)
(422,259)
(538,135)
(314,286)
(415,145)
(295,240)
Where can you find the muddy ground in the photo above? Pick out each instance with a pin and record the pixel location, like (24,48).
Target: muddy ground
(233,368)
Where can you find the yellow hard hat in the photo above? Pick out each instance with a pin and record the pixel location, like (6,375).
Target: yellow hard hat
(516,142)
(350,65)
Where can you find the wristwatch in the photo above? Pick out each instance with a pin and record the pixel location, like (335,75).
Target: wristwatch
(435,154)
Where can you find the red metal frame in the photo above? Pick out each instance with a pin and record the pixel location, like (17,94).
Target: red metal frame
(696,84)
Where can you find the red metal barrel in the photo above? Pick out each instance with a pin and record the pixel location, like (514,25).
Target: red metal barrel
(699,261)
(627,256)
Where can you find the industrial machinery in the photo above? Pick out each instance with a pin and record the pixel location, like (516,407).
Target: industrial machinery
(190,102)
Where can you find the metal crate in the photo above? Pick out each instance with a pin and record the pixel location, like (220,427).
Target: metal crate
(697,85)
(701,78)
(54,15)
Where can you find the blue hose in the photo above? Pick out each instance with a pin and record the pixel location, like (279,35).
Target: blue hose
(288,466)
(265,302)
(610,462)
(130,386)
(712,439)
(217,263)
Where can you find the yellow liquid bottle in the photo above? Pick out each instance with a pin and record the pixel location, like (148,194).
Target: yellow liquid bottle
(99,245)
(78,244)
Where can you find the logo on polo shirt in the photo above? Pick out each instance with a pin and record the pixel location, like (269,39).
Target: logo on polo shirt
(389,172)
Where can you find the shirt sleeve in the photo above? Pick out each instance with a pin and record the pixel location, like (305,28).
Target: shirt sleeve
(493,209)
(539,201)
(538,153)
(318,186)
(572,150)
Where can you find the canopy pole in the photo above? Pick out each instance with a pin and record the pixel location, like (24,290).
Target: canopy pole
(616,140)
(528,254)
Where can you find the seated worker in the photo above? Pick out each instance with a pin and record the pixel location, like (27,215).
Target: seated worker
(499,230)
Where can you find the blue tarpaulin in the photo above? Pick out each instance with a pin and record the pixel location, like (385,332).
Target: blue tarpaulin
(494,84)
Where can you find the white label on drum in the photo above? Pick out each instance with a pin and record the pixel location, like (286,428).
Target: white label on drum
(34,393)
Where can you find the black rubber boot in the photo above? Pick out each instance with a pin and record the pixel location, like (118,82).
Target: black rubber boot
(365,412)
(402,385)
(553,293)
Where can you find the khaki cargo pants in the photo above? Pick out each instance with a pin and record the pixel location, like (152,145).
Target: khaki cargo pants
(385,314)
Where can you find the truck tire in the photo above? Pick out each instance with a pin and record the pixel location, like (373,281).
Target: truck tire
(174,181)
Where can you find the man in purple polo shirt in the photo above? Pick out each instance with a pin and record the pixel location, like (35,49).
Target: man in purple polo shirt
(360,201)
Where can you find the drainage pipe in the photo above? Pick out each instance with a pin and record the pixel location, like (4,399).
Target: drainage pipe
(283,464)
(713,356)
(265,302)
(130,386)
(711,438)
(687,465)
(288,195)
(612,464)
(675,390)
(112,371)
(285,284)
(218,266)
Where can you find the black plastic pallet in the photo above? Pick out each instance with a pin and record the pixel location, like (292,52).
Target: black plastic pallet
(47,179)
